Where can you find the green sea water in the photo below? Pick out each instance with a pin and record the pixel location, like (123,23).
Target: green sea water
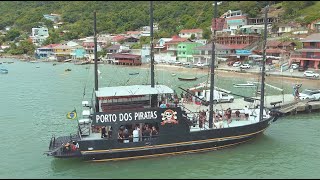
(34,103)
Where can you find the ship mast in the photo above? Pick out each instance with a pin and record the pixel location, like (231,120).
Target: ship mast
(263,63)
(213,54)
(153,96)
(95,61)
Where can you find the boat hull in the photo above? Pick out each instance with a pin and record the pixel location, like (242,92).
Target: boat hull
(187,79)
(199,141)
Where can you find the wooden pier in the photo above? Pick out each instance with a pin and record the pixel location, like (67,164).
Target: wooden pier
(299,106)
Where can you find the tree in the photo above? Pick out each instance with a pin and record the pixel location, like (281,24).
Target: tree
(193,36)
(12,34)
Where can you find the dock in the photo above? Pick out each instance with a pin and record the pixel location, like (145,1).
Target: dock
(299,106)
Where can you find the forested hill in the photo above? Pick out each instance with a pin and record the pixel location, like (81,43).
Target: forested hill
(121,16)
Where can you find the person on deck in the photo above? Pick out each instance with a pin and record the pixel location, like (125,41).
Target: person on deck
(103,132)
(246,112)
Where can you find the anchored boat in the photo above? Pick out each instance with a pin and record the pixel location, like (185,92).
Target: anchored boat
(130,122)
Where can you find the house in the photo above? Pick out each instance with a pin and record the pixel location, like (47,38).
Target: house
(287,28)
(172,46)
(117,39)
(186,50)
(145,53)
(278,49)
(203,53)
(147,28)
(237,41)
(233,21)
(273,16)
(78,52)
(38,35)
(126,59)
(45,51)
(161,44)
(253,29)
(130,40)
(219,24)
(58,25)
(135,34)
(52,17)
(315,25)
(309,55)
(62,52)
(187,33)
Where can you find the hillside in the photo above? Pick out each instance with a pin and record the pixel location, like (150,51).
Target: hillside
(121,16)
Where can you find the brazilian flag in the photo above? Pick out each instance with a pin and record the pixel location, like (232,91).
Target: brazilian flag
(72,114)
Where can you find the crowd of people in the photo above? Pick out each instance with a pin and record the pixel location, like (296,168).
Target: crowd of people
(218,118)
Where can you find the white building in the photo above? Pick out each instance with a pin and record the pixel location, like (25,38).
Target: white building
(39,35)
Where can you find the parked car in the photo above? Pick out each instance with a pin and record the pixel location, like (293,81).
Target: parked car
(245,66)
(230,63)
(302,68)
(310,74)
(294,66)
(311,94)
(200,64)
(236,64)
(178,63)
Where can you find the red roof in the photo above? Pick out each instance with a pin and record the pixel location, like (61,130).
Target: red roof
(176,39)
(273,43)
(278,43)
(118,38)
(191,30)
(50,46)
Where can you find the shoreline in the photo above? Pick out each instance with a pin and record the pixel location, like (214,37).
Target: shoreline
(204,71)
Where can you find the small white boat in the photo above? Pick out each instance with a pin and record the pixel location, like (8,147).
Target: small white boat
(244,85)
(67,60)
(4,71)
(173,74)
(33,61)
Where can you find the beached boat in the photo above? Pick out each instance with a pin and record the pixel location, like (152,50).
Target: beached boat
(187,78)
(128,122)
(244,85)
(82,62)
(68,60)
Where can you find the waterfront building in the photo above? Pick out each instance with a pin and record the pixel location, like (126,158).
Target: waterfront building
(172,46)
(309,55)
(185,51)
(203,53)
(45,51)
(62,52)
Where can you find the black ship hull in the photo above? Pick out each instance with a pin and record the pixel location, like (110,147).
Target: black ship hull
(191,142)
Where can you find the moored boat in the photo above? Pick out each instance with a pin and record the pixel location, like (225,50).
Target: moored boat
(187,78)
(4,71)
(138,121)
(244,85)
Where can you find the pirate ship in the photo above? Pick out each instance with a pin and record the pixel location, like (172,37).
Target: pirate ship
(130,122)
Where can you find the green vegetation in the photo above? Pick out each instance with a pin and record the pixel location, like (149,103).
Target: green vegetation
(23,47)
(117,16)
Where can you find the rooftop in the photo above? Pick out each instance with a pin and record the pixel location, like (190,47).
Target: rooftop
(312,38)
(133,90)
(190,30)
